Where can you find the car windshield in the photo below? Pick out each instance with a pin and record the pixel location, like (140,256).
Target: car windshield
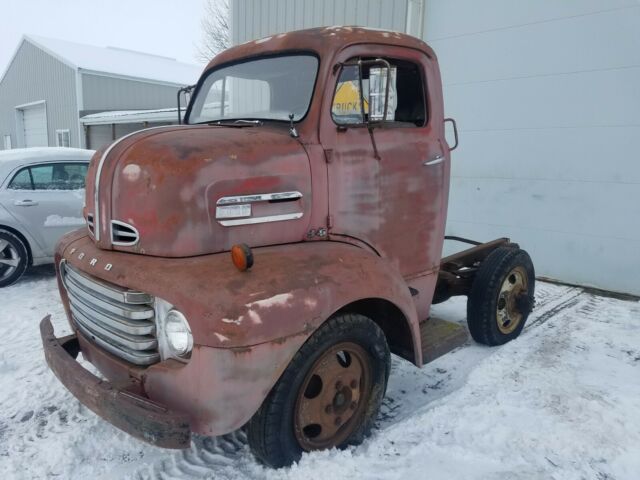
(272,88)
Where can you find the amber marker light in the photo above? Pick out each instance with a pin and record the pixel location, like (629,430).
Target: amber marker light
(242,257)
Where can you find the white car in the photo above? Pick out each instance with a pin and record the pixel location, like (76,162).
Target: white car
(41,199)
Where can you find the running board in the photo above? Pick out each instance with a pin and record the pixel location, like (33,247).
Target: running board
(439,337)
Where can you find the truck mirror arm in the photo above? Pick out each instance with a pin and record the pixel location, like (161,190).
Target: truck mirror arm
(186,91)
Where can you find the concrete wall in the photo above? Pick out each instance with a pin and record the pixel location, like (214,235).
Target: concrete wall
(33,76)
(101,93)
(547,99)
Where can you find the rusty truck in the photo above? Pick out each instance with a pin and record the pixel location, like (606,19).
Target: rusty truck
(255,266)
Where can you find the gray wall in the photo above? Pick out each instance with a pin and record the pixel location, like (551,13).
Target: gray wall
(546,96)
(32,76)
(252,19)
(100,93)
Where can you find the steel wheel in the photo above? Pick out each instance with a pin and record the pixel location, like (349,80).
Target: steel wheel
(9,259)
(508,312)
(333,397)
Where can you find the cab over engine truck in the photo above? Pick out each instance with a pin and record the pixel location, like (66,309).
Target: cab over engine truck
(255,266)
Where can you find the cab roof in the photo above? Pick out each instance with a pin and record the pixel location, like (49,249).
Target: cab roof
(322,40)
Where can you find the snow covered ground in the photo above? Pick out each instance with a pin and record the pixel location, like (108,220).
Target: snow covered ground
(561,402)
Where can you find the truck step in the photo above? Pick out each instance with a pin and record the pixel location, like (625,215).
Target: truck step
(440,337)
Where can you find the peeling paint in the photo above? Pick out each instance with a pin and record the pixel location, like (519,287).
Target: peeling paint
(131,172)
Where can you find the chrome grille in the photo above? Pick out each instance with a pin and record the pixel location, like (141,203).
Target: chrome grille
(119,320)
(123,234)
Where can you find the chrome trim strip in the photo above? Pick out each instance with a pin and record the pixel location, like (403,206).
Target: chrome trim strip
(139,358)
(259,197)
(254,220)
(135,235)
(113,292)
(96,183)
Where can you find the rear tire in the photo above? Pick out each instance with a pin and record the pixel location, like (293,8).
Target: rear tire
(328,396)
(14,258)
(501,297)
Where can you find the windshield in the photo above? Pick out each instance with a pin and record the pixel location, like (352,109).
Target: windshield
(264,89)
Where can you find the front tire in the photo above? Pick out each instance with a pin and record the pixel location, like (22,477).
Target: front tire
(501,297)
(13,258)
(328,396)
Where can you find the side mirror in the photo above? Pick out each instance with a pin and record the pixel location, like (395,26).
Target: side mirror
(382,92)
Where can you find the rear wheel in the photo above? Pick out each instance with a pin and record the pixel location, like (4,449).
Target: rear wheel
(501,297)
(13,258)
(328,396)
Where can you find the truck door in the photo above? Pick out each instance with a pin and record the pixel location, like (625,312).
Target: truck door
(388,181)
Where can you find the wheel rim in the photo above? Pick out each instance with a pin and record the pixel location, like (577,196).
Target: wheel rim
(508,315)
(333,397)
(9,259)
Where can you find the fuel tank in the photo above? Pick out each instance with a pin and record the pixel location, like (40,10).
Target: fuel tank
(180,191)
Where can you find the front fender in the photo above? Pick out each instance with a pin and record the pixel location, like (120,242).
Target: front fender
(290,290)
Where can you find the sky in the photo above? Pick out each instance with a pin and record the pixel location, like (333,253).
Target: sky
(164,27)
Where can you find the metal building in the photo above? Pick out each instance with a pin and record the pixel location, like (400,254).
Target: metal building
(546,95)
(50,84)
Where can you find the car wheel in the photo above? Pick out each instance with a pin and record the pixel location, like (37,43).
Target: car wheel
(13,258)
(328,396)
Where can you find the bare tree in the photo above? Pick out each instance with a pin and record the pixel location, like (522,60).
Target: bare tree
(215,29)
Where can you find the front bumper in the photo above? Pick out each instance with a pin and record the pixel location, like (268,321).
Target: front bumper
(134,414)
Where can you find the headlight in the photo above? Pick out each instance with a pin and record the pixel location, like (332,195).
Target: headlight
(178,334)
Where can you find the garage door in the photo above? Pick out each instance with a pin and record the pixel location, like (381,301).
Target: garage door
(34,121)
(99,136)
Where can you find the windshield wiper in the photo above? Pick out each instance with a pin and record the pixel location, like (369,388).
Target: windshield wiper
(240,122)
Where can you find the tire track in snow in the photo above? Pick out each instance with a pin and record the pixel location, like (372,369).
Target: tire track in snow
(204,459)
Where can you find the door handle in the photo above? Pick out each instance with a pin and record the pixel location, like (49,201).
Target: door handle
(434,161)
(25,203)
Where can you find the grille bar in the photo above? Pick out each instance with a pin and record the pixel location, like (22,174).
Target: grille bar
(114,317)
(111,291)
(133,356)
(94,298)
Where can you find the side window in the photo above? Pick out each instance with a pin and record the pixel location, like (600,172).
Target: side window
(406,102)
(59,176)
(22,181)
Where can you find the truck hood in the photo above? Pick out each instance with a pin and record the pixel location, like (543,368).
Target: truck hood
(180,191)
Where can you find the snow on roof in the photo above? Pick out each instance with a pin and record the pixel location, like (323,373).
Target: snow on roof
(9,159)
(133,116)
(118,61)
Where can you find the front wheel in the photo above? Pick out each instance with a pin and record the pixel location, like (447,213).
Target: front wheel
(501,297)
(328,396)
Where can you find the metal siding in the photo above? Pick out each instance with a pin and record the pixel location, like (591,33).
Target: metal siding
(101,93)
(255,19)
(548,123)
(32,76)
